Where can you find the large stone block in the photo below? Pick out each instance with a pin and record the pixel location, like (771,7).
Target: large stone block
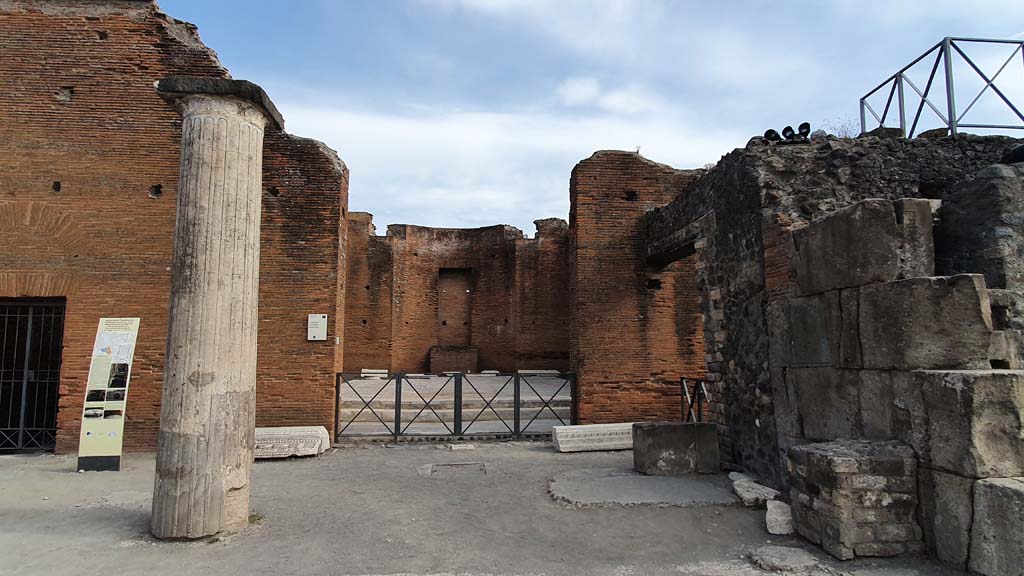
(947,511)
(974,422)
(592,437)
(871,241)
(997,547)
(981,229)
(829,402)
(937,322)
(675,448)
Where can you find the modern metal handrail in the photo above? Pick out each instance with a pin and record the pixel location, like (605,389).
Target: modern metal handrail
(952,118)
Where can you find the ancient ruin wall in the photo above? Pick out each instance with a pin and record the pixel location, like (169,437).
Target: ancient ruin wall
(516,317)
(634,330)
(87,116)
(756,197)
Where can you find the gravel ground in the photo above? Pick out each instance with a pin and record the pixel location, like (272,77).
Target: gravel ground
(372,509)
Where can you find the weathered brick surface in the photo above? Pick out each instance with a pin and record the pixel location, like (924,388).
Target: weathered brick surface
(407,294)
(635,330)
(86,115)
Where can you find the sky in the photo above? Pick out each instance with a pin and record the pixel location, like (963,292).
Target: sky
(466,113)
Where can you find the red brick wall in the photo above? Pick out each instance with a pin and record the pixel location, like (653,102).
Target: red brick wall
(518,316)
(541,299)
(367,339)
(102,241)
(635,331)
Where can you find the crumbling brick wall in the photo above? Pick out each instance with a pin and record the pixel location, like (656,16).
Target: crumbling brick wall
(633,329)
(86,115)
(517,318)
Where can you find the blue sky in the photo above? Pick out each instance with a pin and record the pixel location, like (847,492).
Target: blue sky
(466,113)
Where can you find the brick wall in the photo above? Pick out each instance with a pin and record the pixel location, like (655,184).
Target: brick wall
(86,115)
(517,316)
(635,330)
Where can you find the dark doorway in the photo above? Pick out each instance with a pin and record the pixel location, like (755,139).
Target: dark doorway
(454,306)
(31,335)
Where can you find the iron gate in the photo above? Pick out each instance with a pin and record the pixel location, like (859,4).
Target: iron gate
(31,334)
(453,404)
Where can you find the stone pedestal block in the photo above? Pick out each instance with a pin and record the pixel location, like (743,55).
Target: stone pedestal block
(871,241)
(829,401)
(926,323)
(997,544)
(856,498)
(592,437)
(207,418)
(675,448)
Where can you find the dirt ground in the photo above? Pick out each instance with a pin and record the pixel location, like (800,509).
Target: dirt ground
(382,510)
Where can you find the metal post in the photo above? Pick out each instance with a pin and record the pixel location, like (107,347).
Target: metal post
(457,408)
(515,402)
(337,404)
(398,405)
(682,399)
(24,379)
(863,119)
(903,114)
(700,405)
(947,55)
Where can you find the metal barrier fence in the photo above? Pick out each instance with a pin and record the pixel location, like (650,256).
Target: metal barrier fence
(694,399)
(944,55)
(452,404)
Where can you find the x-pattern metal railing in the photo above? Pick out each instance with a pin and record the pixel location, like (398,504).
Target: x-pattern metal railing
(952,118)
(694,401)
(363,395)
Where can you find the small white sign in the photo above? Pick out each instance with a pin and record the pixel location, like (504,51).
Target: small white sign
(316,327)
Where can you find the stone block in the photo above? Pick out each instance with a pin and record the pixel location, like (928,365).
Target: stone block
(829,401)
(877,399)
(818,327)
(981,230)
(871,241)
(592,437)
(973,422)
(855,498)
(926,323)
(947,511)
(997,548)
(675,448)
(779,518)
(286,441)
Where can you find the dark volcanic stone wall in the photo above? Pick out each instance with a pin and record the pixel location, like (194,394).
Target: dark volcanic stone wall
(755,198)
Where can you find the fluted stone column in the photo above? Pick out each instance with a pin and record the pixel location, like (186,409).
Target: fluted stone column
(207,417)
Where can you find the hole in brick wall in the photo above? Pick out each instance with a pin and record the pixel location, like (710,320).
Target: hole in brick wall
(1000,364)
(444,322)
(367,287)
(56,186)
(506,320)
(653,283)
(415,253)
(273,191)
(64,94)
(631,195)
(465,323)
(364,322)
(101,34)
(156,191)
(342,212)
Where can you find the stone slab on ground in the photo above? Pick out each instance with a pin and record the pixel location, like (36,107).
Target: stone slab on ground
(592,437)
(752,494)
(287,441)
(997,547)
(618,487)
(675,448)
(784,559)
(779,518)
(947,512)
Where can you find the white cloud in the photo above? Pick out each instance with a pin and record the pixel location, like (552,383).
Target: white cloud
(467,169)
(579,91)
